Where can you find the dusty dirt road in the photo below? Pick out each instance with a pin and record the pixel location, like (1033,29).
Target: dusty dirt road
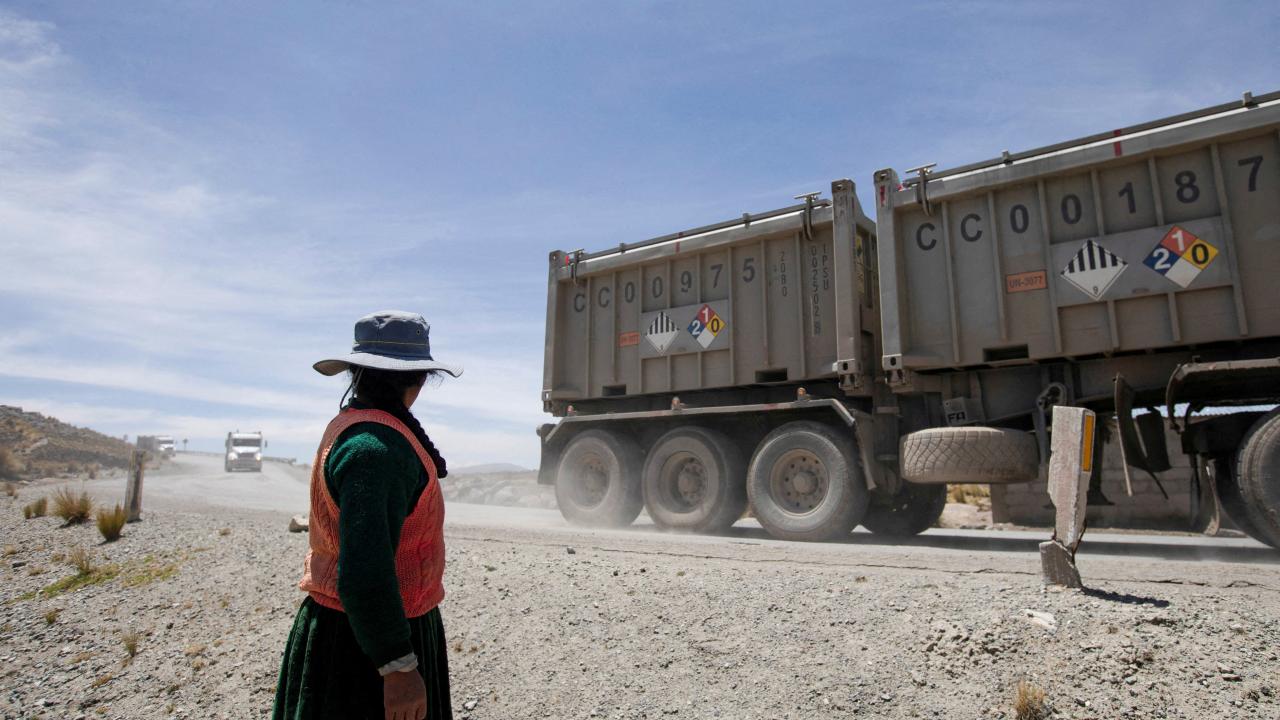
(551,621)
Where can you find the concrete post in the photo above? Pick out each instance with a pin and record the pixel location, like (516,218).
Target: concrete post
(133,491)
(1070,465)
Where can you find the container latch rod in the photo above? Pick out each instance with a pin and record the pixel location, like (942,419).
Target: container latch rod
(809,200)
(575,257)
(922,190)
(1054,394)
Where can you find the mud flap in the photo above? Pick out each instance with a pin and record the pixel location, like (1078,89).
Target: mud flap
(1151,453)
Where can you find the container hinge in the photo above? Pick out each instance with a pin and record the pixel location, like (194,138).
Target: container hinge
(849,372)
(922,186)
(809,200)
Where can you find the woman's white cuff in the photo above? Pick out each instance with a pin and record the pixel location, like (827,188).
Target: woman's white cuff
(404,664)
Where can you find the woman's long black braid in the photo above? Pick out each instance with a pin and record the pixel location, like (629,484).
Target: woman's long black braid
(384,390)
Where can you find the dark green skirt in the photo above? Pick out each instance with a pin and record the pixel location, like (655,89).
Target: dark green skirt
(325,674)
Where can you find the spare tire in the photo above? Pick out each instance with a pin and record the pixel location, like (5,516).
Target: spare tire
(969,455)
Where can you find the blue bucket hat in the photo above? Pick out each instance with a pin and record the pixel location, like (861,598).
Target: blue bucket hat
(389,340)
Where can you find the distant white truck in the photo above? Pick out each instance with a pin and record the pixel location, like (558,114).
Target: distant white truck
(160,445)
(244,451)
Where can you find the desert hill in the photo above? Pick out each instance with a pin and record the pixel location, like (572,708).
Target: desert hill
(32,444)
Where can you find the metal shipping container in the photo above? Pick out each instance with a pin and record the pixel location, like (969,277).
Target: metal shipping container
(781,297)
(1158,236)
(1132,268)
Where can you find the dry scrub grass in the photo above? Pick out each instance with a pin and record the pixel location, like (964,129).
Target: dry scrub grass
(969,494)
(35,509)
(51,617)
(11,489)
(11,467)
(82,561)
(88,572)
(1028,702)
(111,523)
(74,508)
(130,638)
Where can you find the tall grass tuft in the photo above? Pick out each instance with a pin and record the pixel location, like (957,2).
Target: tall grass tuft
(82,561)
(130,638)
(11,489)
(74,508)
(1028,702)
(111,523)
(35,509)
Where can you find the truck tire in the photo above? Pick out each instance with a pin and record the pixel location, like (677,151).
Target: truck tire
(912,511)
(1230,497)
(804,483)
(596,481)
(694,481)
(969,455)
(1258,475)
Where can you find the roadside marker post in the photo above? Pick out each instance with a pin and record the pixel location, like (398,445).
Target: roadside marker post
(1070,466)
(133,491)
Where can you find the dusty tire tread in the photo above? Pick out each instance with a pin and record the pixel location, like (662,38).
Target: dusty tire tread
(969,455)
(1254,474)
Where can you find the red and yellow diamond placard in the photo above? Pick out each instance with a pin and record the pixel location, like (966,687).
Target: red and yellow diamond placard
(1181,256)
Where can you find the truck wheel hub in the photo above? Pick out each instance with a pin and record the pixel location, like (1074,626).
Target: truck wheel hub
(804,483)
(594,484)
(799,481)
(690,481)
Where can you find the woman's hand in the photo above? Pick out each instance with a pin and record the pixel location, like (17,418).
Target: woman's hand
(404,696)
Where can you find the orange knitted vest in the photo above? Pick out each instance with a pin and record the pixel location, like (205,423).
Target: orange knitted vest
(420,556)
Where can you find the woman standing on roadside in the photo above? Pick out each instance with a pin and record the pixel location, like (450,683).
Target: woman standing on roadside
(368,641)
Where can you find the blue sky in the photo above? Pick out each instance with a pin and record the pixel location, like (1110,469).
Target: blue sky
(197,199)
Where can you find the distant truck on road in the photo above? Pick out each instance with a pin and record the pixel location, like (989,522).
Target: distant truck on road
(244,451)
(159,445)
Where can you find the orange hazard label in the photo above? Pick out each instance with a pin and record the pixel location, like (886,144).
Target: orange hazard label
(628,339)
(1022,282)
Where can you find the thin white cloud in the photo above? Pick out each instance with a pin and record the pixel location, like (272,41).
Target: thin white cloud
(146,276)
(25,44)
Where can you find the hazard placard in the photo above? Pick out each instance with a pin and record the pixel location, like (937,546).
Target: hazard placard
(662,330)
(1094,269)
(1181,256)
(706,325)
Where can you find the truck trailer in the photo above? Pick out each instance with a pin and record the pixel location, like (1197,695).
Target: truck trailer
(1130,270)
(831,371)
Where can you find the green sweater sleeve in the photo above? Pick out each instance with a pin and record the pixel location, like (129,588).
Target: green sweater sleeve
(372,474)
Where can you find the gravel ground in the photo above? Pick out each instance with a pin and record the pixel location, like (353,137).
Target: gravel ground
(565,623)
